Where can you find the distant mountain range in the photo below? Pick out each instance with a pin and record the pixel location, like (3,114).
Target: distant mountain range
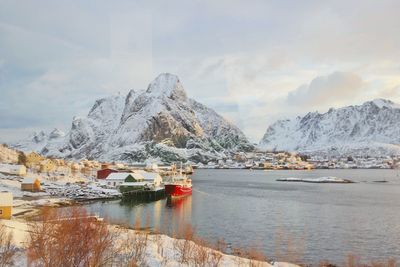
(372,128)
(160,123)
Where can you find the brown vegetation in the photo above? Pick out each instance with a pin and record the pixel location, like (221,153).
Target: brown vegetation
(183,243)
(251,254)
(355,261)
(133,246)
(7,250)
(69,238)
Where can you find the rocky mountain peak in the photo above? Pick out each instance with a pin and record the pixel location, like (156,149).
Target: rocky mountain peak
(167,85)
(56,133)
(160,123)
(380,103)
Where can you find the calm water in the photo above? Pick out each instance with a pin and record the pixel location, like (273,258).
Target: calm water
(317,221)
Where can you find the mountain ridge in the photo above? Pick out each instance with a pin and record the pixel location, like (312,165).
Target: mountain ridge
(372,127)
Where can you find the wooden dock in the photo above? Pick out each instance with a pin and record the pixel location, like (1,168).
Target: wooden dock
(143,195)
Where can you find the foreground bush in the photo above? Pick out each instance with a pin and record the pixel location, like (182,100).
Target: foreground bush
(7,249)
(70,238)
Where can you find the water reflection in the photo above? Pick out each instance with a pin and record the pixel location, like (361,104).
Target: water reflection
(181,208)
(247,207)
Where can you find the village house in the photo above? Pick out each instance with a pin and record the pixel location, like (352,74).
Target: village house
(116,179)
(31,184)
(10,169)
(6,203)
(151,177)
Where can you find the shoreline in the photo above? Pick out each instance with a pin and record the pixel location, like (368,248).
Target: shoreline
(19,226)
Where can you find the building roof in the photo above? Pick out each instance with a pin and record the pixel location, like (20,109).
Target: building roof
(134,184)
(149,175)
(6,198)
(11,167)
(121,176)
(107,169)
(29,180)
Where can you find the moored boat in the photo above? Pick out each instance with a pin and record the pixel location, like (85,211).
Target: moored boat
(178,190)
(179,186)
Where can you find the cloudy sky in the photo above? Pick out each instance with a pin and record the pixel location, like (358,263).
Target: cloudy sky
(252,61)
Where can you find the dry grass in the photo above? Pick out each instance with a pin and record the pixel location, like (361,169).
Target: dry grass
(249,256)
(183,243)
(69,239)
(133,248)
(7,250)
(355,261)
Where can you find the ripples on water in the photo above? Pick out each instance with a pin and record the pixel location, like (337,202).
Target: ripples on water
(320,221)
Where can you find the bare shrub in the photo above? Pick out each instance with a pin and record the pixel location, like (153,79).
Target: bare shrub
(221,245)
(355,261)
(200,253)
(352,261)
(133,248)
(183,244)
(70,238)
(250,256)
(159,243)
(326,263)
(255,256)
(7,250)
(215,258)
(240,254)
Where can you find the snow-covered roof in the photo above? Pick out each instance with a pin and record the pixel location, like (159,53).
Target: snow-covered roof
(29,180)
(134,184)
(10,167)
(6,199)
(121,176)
(149,175)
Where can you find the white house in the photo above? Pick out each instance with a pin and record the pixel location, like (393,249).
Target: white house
(151,177)
(117,178)
(11,169)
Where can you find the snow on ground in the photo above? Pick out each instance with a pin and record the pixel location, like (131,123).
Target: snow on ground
(56,190)
(327,179)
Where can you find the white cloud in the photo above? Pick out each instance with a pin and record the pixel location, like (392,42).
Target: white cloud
(335,89)
(242,59)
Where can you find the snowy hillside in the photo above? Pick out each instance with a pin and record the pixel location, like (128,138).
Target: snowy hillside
(370,128)
(37,141)
(158,123)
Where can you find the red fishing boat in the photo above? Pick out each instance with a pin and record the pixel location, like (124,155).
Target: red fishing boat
(179,186)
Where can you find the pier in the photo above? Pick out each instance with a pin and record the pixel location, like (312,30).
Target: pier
(143,195)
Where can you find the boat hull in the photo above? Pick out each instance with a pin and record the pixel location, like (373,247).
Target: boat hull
(176,190)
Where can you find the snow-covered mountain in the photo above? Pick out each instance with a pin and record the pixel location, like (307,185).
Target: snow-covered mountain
(38,140)
(368,129)
(158,123)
